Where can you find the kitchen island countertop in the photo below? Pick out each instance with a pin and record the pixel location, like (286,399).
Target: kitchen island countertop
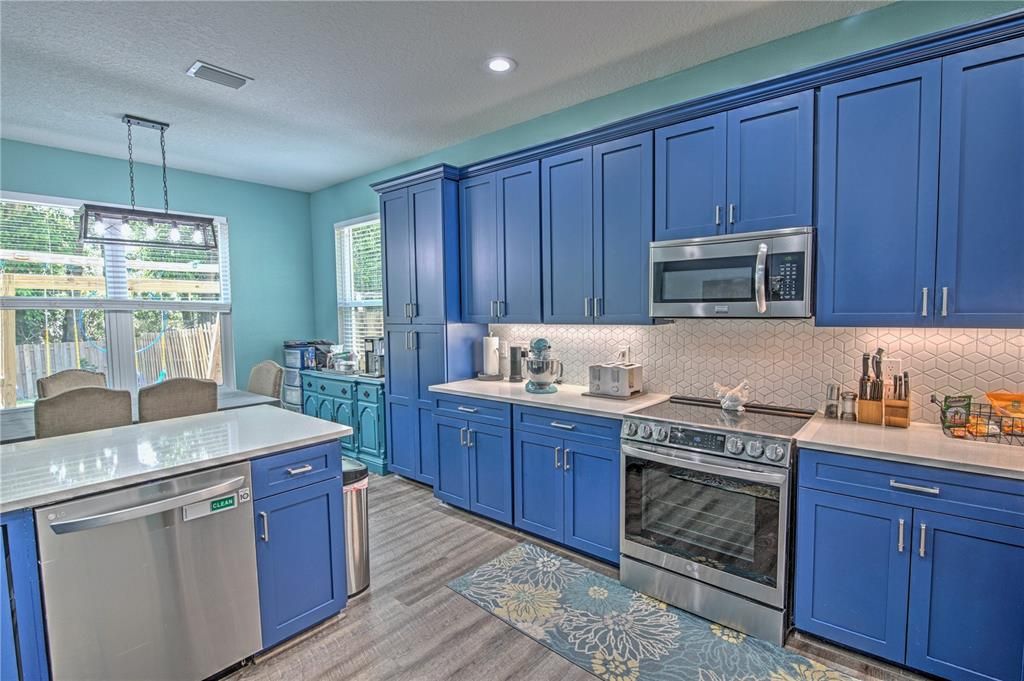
(40,472)
(568,398)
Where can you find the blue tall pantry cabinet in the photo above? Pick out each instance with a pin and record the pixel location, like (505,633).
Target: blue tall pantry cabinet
(425,341)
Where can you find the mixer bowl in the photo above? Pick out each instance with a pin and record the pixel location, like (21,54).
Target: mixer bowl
(542,373)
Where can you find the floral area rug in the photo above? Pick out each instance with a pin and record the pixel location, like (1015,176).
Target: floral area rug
(618,634)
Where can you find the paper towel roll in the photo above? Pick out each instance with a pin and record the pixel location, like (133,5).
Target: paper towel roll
(492,364)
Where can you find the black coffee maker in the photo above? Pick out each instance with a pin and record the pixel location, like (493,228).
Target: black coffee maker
(373,357)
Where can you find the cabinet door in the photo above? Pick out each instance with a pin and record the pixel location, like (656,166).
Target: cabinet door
(981,177)
(966,598)
(490,471)
(592,499)
(771,164)
(452,482)
(403,437)
(300,558)
(877,195)
(310,403)
(428,346)
(689,178)
(325,408)
(343,415)
(400,363)
(623,229)
(852,575)
(538,485)
(519,275)
(479,249)
(426,205)
(395,221)
(367,435)
(567,237)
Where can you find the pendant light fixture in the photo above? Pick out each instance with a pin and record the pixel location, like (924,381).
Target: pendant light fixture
(134,227)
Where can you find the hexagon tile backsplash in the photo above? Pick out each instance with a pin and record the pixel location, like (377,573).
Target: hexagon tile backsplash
(789,362)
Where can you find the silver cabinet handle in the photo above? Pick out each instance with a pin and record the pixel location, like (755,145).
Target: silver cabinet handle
(494,304)
(586,306)
(563,426)
(759,267)
(407,347)
(300,470)
(598,307)
(558,450)
(502,308)
(462,437)
(899,544)
(732,213)
(945,300)
(924,301)
(468,410)
(266,525)
(413,340)
(718,214)
(913,488)
(565,459)
(470,442)
(408,310)
(920,548)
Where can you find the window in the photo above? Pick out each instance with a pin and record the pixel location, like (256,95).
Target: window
(138,314)
(357,247)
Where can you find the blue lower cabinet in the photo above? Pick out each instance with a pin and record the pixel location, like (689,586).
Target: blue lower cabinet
(300,558)
(490,471)
(539,485)
(452,482)
(592,499)
(853,571)
(403,437)
(966,598)
(22,636)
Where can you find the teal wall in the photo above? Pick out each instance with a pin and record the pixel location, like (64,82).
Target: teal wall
(270,247)
(877,28)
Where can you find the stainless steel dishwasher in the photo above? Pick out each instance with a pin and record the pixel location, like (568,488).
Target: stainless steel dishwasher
(152,582)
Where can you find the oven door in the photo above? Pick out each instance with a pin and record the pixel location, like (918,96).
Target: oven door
(724,525)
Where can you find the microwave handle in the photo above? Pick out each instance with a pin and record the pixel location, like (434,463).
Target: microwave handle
(759,278)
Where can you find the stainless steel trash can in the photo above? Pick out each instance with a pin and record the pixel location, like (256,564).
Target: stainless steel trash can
(355,484)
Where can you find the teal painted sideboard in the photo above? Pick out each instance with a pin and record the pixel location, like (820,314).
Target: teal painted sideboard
(354,401)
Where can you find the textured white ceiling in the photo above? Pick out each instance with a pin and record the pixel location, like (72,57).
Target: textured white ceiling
(343,88)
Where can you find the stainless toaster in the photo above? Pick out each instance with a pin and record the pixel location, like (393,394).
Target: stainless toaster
(616,379)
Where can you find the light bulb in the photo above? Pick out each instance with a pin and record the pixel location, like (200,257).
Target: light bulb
(175,234)
(197,236)
(501,64)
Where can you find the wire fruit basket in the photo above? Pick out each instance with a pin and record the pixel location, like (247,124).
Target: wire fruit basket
(981,422)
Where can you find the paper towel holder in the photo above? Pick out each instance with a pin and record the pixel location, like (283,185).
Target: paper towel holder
(489,346)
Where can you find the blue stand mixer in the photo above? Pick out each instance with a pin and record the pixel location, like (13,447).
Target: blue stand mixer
(541,370)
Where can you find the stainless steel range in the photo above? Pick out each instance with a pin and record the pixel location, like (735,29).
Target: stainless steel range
(706,510)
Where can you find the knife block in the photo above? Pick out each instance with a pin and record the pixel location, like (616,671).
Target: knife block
(870,411)
(894,413)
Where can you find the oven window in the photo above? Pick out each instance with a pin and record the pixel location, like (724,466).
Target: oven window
(709,280)
(723,522)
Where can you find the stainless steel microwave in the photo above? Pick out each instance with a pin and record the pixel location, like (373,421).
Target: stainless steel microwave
(758,274)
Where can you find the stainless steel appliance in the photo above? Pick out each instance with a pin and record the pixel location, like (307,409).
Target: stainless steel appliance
(152,582)
(516,354)
(373,357)
(356,483)
(705,499)
(541,368)
(620,380)
(758,274)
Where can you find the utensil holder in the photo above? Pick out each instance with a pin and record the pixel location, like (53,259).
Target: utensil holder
(870,411)
(897,413)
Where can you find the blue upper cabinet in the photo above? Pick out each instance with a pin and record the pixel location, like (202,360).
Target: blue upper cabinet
(427,206)
(771,164)
(567,236)
(981,182)
(623,229)
(877,194)
(500,246)
(966,598)
(689,178)
(519,270)
(395,220)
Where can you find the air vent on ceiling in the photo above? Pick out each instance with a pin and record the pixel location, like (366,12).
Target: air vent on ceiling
(216,74)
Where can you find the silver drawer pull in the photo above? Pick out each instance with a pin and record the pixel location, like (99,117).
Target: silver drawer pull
(913,488)
(468,410)
(563,426)
(565,459)
(300,470)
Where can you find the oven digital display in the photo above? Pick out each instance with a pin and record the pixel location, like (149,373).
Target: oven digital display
(710,442)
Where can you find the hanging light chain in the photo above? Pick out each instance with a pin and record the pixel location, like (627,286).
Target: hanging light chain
(163,160)
(131,164)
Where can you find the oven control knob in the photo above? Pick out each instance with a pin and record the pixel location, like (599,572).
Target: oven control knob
(755,449)
(645,432)
(774,453)
(660,434)
(630,428)
(734,445)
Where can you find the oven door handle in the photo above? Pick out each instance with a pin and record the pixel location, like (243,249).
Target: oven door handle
(681,460)
(759,278)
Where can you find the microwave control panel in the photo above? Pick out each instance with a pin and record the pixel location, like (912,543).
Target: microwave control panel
(786,276)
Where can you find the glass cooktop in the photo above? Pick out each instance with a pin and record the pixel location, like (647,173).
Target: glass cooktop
(756,418)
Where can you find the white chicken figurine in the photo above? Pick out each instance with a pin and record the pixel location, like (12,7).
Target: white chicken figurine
(733,399)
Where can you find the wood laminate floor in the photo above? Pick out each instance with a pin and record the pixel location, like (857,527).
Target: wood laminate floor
(408,626)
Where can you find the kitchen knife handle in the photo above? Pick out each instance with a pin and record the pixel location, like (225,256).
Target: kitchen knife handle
(945,300)
(924,301)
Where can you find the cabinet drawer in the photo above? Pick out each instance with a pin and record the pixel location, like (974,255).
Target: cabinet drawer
(590,429)
(368,393)
(471,409)
(344,390)
(290,470)
(967,495)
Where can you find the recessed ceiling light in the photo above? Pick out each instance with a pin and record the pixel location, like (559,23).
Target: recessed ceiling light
(501,64)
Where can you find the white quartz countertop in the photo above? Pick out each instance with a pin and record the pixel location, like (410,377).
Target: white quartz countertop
(41,472)
(568,398)
(921,443)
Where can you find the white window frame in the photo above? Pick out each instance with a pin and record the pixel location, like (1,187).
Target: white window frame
(120,332)
(354,222)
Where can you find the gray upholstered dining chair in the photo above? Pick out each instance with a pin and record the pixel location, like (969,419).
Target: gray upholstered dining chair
(62,381)
(177,397)
(265,379)
(81,410)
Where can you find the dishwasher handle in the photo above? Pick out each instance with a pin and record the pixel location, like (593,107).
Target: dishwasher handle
(143,510)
